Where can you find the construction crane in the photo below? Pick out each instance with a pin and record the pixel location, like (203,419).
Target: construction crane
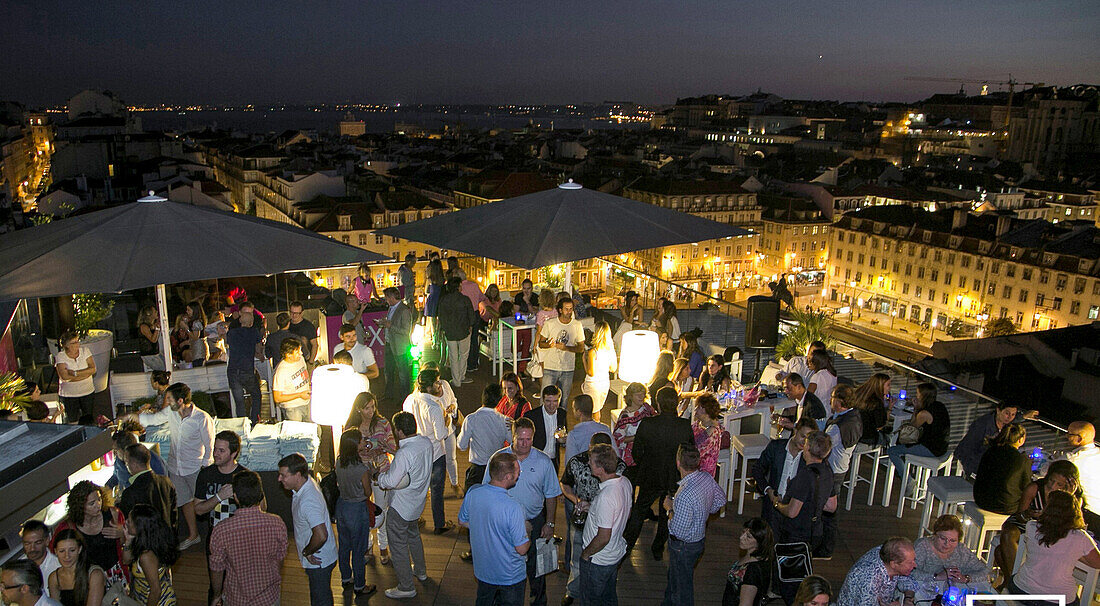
(1011,83)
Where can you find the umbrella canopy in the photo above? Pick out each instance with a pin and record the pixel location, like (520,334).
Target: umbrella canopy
(558,225)
(153,242)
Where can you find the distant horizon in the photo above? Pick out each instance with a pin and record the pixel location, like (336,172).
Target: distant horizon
(972,90)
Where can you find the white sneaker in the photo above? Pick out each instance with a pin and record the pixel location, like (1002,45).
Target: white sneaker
(187,543)
(397,594)
(422,577)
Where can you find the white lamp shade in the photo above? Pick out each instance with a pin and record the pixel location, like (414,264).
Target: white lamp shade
(334,389)
(638,358)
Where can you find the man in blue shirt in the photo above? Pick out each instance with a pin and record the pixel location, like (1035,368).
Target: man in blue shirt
(498,534)
(245,343)
(537,492)
(697,498)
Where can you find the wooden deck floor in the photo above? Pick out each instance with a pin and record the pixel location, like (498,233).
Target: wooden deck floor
(641,580)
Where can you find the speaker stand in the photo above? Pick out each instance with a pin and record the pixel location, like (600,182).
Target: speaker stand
(756,363)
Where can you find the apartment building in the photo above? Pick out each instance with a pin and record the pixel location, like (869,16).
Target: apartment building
(931,268)
(794,238)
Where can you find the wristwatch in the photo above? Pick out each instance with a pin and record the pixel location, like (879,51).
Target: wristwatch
(550,524)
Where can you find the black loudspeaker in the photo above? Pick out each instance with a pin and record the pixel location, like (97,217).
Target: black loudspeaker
(762,328)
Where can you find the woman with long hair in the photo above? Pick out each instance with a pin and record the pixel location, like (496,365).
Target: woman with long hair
(363,285)
(599,362)
(75,377)
(631,313)
(1061,475)
(661,374)
(352,518)
(714,380)
(150,551)
(823,379)
(689,348)
(1003,473)
(870,398)
(750,576)
(1055,543)
(668,326)
(931,418)
(513,404)
(707,431)
(814,591)
(79,581)
(89,512)
(180,339)
(489,308)
(376,449)
(634,410)
(196,323)
(148,326)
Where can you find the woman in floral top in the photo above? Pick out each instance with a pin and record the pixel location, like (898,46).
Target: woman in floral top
(708,434)
(636,409)
(377,449)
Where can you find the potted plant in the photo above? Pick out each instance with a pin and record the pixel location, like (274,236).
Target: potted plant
(811,326)
(13,391)
(89,310)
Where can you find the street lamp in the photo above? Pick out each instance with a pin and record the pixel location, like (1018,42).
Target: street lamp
(931,335)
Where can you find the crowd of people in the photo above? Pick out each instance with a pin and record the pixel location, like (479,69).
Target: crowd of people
(656,460)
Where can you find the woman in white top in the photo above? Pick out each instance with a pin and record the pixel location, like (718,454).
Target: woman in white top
(599,361)
(823,378)
(1054,544)
(75,369)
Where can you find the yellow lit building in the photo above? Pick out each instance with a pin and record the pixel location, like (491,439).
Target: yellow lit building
(930,269)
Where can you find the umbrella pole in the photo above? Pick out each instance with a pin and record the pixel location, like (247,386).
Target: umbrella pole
(569,278)
(165,335)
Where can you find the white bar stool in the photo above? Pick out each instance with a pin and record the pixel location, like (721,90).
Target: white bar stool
(950,490)
(746,447)
(981,523)
(925,468)
(876,454)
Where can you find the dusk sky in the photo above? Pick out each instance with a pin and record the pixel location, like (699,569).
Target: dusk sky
(412,51)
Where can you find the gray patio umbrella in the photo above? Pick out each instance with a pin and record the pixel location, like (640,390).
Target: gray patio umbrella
(560,225)
(155,242)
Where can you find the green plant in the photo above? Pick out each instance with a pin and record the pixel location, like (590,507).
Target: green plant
(90,310)
(203,401)
(955,328)
(811,326)
(13,391)
(999,327)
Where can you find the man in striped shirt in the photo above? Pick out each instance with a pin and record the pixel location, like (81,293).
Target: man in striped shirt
(696,499)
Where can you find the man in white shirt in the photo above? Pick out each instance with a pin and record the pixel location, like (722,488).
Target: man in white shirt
(313,534)
(426,407)
(604,545)
(484,432)
(1081,436)
(191,433)
(560,340)
(407,478)
(362,357)
(36,546)
(292,388)
(22,585)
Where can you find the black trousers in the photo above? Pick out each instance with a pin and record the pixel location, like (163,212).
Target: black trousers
(647,494)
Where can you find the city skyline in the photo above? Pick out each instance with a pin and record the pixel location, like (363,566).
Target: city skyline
(650,53)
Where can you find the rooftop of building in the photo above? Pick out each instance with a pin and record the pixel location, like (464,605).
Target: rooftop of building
(686,187)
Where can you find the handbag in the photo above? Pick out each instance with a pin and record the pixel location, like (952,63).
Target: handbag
(534,367)
(909,434)
(793,562)
(331,491)
(546,556)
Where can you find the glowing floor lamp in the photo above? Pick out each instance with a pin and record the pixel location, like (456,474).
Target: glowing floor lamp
(334,389)
(637,358)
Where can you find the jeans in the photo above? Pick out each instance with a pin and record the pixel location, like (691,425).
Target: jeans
(538,584)
(562,378)
(449,450)
(499,595)
(78,407)
(353,532)
(458,354)
(576,537)
(598,584)
(897,455)
(647,495)
(1013,588)
(406,549)
(435,484)
(240,381)
(398,376)
(296,413)
(682,557)
(320,585)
